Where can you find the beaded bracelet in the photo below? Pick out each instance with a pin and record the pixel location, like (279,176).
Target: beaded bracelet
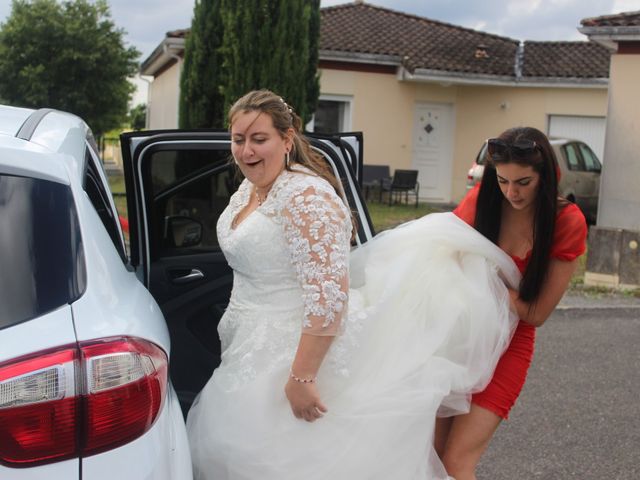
(301,380)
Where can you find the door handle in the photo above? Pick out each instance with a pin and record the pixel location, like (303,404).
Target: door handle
(192,276)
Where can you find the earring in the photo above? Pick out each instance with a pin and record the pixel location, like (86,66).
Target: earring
(286,160)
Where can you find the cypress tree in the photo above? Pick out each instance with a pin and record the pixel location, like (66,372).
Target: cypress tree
(272,44)
(202,80)
(312,78)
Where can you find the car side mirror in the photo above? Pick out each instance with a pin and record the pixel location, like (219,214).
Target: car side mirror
(182,232)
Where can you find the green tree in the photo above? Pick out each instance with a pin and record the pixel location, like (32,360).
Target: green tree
(272,44)
(68,56)
(201,99)
(138,117)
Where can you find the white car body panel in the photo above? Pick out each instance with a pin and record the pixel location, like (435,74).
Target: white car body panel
(65,134)
(114,303)
(147,458)
(20,157)
(65,470)
(12,117)
(51,330)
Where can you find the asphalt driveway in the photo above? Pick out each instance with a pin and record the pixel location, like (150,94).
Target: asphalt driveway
(579,414)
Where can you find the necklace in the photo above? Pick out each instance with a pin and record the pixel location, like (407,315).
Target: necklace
(260,200)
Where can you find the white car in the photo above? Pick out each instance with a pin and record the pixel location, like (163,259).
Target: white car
(104,347)
(579,173)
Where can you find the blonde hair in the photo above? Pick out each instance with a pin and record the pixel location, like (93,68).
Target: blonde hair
(285,118)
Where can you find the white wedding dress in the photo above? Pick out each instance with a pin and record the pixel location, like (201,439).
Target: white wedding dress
(427,319)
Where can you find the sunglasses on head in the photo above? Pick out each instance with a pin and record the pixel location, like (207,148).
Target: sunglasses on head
(523,147)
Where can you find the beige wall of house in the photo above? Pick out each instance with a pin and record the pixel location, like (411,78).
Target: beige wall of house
(163,99)
(483,112)
(619,203)
(383,108)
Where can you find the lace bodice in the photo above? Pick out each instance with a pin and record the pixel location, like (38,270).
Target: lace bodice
(290,262)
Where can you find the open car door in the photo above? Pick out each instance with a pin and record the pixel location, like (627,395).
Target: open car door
(178,183)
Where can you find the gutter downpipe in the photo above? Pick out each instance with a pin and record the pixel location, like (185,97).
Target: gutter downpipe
(519,61)
(178,59)
(147,110)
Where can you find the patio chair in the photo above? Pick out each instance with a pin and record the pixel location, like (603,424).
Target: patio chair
(373,177)
(403,182)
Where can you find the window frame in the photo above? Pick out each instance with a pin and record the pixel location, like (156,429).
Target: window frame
(162,197)
(346,120)
(596,166)
(579,163)
(94,172)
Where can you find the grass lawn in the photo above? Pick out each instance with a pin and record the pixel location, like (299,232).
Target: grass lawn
(385,216)
(116,183)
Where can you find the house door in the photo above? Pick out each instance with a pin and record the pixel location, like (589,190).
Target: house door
(432,150)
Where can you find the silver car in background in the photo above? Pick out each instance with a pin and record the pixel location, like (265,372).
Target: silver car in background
(579,173)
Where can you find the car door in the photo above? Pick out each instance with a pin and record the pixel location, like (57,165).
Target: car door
(572,180)
(592,169)
(576,183)
(178,183)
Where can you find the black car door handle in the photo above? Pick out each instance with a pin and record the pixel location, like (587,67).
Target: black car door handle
(194,275)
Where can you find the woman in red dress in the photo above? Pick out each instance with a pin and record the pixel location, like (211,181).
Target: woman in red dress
(517,207)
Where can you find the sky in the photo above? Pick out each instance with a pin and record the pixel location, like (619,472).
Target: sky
(146,21)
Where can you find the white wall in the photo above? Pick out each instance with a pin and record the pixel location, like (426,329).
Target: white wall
(162,108)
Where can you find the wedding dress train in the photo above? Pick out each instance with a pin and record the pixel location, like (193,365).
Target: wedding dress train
(428,318)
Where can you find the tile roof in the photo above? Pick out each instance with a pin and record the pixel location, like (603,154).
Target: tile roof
(626,19)
(421,43)
(181,33)
(565,60)
(374,34)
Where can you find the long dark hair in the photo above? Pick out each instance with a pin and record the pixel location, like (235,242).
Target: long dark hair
(490,201)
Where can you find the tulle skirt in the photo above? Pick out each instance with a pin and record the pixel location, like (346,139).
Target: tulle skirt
(428,319)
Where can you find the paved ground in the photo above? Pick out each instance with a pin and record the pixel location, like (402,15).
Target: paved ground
(591,298)
(579,414)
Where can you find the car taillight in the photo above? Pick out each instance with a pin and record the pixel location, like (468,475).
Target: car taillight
(126,385)
(39,408)
(79,400)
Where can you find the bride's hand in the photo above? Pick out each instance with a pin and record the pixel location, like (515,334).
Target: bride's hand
(304,400)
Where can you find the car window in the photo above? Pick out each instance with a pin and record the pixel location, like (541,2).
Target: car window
(190,189)
(573,161)
(40,249)
(591,162)
(99,198)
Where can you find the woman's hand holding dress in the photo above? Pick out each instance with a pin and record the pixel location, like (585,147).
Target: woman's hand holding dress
(305,400)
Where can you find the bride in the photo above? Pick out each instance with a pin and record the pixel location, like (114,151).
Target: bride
(335,364)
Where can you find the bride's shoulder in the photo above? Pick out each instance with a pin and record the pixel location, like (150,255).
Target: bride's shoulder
(301,180)
(299,187)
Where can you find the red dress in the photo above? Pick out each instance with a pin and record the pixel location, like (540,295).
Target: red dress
(569,242)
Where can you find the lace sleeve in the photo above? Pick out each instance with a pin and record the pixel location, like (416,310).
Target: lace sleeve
(317,229)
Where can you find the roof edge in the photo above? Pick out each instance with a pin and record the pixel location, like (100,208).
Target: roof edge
(610,36)
(161,55)
(452,78)
(356,57)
